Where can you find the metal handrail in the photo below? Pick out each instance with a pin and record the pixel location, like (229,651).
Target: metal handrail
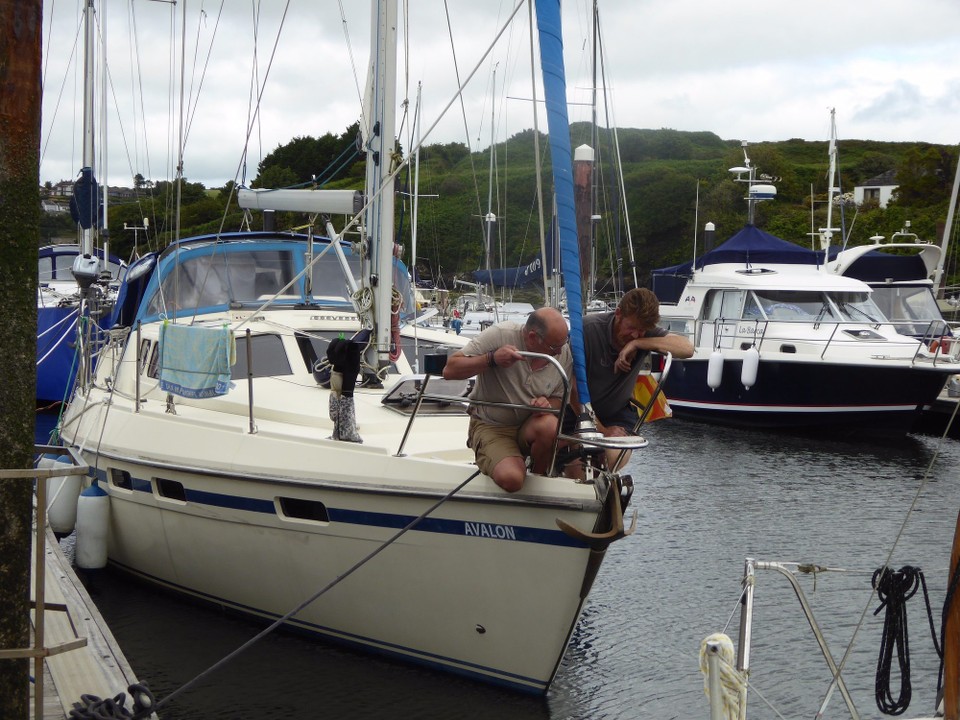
(746,625)
(759,338)
(423,395)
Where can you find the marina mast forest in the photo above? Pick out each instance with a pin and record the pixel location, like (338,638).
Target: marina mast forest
(674,182)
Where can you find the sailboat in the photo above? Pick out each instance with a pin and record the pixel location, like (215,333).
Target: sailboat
(264,444)
(78,282)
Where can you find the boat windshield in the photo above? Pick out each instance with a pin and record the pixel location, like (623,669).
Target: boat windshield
(811,305)
(912,309)
(207,279)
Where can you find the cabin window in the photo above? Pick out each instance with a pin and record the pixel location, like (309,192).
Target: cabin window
(751,308)
(143,352)
(171,489)
(269,357)
(328,281)
(120,479)
(216,279)
(44,270)
(795,305)
(725,304)
(857,307)
(299,509)
(63,266)
(153,367)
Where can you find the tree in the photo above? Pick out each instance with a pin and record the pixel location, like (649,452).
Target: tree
(20,62)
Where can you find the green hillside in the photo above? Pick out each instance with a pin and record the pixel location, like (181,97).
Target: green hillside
(674,182)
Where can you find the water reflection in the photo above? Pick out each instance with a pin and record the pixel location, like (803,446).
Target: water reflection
(706,498)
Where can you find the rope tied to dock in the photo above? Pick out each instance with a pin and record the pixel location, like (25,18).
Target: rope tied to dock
(92,707)
(894,588)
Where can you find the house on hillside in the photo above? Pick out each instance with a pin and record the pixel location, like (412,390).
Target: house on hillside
(64,188)
(878,189)
(51,206)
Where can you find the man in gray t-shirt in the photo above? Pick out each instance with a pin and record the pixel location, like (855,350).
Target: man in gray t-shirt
(503,437)
(616,344)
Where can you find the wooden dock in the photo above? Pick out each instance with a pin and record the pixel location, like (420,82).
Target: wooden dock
(99,667)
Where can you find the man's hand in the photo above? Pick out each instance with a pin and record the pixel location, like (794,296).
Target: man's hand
(506,355)
(625,358)
(540,402)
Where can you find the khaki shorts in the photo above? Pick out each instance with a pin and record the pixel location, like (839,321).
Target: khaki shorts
(493,443)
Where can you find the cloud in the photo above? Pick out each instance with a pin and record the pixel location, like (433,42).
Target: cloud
(738,69)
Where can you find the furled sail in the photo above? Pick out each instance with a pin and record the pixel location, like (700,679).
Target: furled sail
(555,93)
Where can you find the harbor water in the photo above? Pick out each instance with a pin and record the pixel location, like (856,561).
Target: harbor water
(706,498)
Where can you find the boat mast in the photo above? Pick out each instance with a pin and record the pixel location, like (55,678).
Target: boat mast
(86,266)
(104,225)
(826,233)
(594,217)
(379,222)
(491,217)
(86,245)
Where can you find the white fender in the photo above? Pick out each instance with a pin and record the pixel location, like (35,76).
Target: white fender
(63,491)
(93,509)
(715,370)
(751,361)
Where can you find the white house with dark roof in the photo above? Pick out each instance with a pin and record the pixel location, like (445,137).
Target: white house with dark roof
(878,189)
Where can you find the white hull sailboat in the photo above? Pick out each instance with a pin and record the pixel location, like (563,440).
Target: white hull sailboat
(264,495)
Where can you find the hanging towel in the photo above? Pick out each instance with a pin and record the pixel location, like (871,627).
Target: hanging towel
(195,361)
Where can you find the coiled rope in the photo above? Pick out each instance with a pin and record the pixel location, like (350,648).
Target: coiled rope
(92,707)
(732,681)
(894,588)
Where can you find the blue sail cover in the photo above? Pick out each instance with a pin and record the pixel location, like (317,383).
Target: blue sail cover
(558,125)
(86,203)
(521,276)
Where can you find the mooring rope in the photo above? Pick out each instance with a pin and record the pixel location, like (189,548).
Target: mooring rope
(92,707)
(732,681)
(894,588)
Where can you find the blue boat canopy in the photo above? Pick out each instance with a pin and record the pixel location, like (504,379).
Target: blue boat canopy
(751,246)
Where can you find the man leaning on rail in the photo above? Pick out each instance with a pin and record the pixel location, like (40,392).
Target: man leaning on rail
(616,344)
(503,437)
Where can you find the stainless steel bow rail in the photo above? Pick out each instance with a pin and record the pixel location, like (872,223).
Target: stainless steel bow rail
(593,439)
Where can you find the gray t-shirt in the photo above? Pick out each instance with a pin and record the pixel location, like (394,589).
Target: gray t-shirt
(610,391)
(518,383)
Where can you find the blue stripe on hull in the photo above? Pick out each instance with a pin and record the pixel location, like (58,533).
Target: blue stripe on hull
(817,396)
(394,521)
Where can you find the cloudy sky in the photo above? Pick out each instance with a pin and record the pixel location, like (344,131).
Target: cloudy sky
(743,70)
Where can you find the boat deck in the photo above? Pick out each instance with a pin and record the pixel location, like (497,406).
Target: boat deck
(99,667)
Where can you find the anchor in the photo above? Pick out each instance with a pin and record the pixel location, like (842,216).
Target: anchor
(598,542)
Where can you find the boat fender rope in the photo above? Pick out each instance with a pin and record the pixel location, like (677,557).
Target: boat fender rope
(894,588)
(731,680)
(92,707)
